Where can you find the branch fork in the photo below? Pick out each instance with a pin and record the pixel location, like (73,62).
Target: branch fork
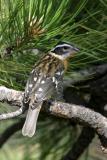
(69,111)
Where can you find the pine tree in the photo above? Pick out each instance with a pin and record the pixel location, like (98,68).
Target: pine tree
(29,29)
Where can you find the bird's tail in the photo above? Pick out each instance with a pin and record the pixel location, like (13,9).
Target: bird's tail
(29,127)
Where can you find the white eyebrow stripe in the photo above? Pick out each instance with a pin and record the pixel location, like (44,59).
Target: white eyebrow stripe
(64,45)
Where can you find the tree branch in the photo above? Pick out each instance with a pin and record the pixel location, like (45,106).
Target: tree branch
(80,113)
(13,97)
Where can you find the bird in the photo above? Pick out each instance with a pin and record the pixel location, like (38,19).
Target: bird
(45,82)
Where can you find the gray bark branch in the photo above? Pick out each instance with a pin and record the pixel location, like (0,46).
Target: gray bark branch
(70,111)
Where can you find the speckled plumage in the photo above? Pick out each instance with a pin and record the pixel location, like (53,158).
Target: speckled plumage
(45,82)
(42,85)
(48,68)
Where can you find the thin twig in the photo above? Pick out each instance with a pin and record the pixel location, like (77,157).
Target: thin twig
(11,114)
(11,96)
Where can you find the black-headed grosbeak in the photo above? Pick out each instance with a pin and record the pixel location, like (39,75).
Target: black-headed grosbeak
(45,82)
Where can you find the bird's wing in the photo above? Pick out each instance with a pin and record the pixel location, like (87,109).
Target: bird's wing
(39,88)
(32,81)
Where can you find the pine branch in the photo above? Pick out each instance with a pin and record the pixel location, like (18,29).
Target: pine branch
(70,111)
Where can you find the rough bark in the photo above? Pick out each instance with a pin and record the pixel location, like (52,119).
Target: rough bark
(81,114)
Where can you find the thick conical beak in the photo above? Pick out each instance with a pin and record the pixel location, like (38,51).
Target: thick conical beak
(75,49)
(72,53)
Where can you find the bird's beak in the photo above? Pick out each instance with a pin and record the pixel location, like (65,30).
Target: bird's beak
(73,51)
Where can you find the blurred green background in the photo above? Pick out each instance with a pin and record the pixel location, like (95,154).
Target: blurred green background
(40,24)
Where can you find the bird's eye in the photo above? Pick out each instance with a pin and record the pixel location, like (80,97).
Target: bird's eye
(65,47)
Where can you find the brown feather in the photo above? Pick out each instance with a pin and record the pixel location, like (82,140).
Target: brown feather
(50,64)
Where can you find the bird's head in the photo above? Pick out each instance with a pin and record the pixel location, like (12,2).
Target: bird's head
(64,51)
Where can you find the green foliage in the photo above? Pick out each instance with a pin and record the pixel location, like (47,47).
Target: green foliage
(52,140)
(41,24)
